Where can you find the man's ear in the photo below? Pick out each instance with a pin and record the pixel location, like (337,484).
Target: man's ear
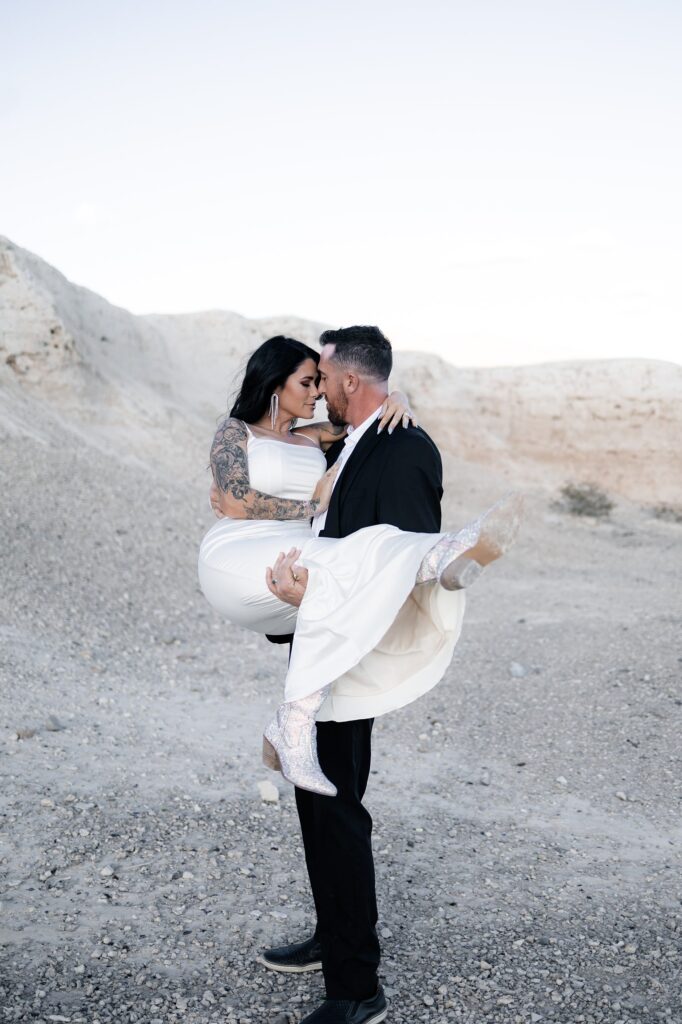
(351,383)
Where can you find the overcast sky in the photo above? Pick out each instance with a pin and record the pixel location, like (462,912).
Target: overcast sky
(498,182)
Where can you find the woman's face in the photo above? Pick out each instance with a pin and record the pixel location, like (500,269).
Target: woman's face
(299,392)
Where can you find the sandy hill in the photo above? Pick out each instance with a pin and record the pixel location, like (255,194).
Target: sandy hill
(134,382)
(153,386)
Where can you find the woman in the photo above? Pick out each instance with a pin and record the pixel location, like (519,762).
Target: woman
(272,480)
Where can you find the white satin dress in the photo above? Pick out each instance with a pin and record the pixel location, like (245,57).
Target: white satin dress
(363,625)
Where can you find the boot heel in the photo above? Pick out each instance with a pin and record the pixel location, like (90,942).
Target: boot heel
(460,574)
(270,756)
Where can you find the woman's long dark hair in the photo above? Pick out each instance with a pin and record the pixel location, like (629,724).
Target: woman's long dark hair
(268,368)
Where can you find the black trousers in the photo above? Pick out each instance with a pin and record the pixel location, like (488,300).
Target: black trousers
(337,834)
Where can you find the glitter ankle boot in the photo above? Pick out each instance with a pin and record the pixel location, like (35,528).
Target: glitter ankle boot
(458,559)
(290,744)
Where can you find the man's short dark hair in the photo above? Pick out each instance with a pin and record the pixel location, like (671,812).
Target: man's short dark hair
(364,349)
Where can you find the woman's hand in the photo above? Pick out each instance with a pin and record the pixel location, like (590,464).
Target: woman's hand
(324,488)
(395,410)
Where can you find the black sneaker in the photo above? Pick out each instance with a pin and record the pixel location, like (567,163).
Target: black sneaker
(295,959)
(347,1011)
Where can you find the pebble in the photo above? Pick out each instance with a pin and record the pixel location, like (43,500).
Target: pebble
(517,670)
(107,871)
(269,793)
(53,724)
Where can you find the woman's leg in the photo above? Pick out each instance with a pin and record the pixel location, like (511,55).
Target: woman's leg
(458,559)
(232,562)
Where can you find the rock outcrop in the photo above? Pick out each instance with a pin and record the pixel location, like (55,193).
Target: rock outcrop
(616,423)
(147,384)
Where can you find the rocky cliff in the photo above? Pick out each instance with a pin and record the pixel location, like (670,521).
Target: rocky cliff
(145,385)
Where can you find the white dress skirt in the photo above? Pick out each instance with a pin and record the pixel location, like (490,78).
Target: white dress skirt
(363,625)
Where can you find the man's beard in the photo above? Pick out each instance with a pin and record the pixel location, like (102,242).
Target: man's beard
(336,410)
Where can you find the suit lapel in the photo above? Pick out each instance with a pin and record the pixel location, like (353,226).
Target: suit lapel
(365,446)
(332,520)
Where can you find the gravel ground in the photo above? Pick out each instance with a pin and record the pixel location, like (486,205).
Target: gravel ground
(527,811)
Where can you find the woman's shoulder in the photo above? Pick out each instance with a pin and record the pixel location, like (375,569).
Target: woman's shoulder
(233,429)
(323,434)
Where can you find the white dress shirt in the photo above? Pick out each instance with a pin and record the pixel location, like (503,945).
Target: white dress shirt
(352,437)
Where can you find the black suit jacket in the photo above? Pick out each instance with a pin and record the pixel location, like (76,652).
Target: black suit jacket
(390,478)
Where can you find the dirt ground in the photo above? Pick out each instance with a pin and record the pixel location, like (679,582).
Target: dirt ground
(527,811)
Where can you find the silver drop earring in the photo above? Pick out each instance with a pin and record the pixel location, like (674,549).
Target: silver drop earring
(274,409)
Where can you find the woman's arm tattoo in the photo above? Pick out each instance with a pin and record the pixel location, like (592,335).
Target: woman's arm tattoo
(228,458)
(330,432)
(230,466)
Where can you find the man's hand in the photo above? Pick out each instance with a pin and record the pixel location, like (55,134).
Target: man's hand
(287,580)
(214,498)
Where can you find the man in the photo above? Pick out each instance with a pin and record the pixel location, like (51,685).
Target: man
(397,480)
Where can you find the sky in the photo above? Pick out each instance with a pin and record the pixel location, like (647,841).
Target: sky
(497,182)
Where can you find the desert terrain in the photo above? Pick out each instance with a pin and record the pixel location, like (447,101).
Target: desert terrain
(527,833)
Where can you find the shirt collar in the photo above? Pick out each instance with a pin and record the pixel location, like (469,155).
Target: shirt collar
(355,433)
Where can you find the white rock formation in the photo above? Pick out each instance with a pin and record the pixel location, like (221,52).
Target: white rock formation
(140,383)
(56,334)
(617,423)
(154,385)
